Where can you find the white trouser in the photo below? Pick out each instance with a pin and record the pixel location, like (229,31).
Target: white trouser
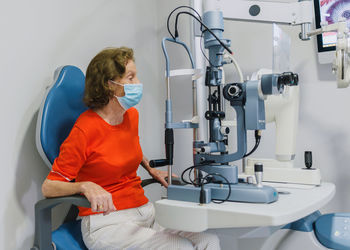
(135,228)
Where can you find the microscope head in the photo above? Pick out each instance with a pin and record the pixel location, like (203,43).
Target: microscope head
(215,22)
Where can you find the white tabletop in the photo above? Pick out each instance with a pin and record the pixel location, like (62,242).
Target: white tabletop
(188,216)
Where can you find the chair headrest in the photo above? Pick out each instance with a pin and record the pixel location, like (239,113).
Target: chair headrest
(61,107)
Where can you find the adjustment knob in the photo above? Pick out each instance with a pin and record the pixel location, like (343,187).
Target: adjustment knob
(225,130)
(308,159)
(258,169)
(234,91)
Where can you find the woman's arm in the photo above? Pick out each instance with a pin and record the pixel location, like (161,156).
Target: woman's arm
(52,188)
(100,199)
(145,163)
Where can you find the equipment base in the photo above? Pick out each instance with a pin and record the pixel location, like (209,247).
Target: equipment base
(239,193)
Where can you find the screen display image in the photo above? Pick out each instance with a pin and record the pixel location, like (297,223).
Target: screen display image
(329,12)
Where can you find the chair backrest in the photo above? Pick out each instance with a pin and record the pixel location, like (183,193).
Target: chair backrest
(61,107)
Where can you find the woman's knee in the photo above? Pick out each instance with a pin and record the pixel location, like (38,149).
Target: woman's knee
(167,241)
(185,244)
(214,241)
(209,241)
(179,243)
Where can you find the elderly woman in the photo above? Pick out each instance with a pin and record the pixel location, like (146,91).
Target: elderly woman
(102,154)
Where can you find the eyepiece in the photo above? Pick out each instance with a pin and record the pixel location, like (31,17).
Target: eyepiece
(234,91)
(288,78)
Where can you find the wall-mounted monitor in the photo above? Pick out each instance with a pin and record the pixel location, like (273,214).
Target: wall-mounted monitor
(328,12)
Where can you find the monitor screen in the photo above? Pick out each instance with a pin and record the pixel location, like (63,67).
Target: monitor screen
(328,12)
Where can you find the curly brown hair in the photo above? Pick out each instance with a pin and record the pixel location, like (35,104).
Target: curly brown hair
(107,65)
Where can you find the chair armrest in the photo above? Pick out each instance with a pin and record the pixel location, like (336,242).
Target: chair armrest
(43,223)
(146,182)
(78,200)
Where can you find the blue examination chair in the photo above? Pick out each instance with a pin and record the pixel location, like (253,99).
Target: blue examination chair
(61,107)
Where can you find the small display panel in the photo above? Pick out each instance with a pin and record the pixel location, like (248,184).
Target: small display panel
(328,12)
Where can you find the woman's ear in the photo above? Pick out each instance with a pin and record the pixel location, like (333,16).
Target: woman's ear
(117,89)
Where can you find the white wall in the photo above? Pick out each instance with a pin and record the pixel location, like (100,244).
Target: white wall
(38,36)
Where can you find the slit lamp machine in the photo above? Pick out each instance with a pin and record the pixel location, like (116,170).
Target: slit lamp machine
(267,97)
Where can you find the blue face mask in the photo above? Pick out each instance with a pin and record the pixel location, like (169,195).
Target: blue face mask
(133,94)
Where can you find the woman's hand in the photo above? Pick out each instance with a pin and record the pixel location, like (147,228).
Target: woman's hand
(160,176)
(100,199)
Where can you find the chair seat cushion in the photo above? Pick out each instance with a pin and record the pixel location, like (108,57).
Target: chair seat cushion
(68,236)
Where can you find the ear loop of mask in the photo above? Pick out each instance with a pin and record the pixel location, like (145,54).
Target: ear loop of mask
(119,85)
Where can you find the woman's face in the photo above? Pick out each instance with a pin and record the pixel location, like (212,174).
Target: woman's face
(129,77)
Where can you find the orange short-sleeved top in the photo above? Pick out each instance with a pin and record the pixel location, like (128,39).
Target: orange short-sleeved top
(104,154)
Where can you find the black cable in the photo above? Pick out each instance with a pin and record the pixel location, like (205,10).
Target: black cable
(227,182)
(252,151)
(189,177)
(257,142)
(183,173)
(202,183)
(183,6)
(206,27)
